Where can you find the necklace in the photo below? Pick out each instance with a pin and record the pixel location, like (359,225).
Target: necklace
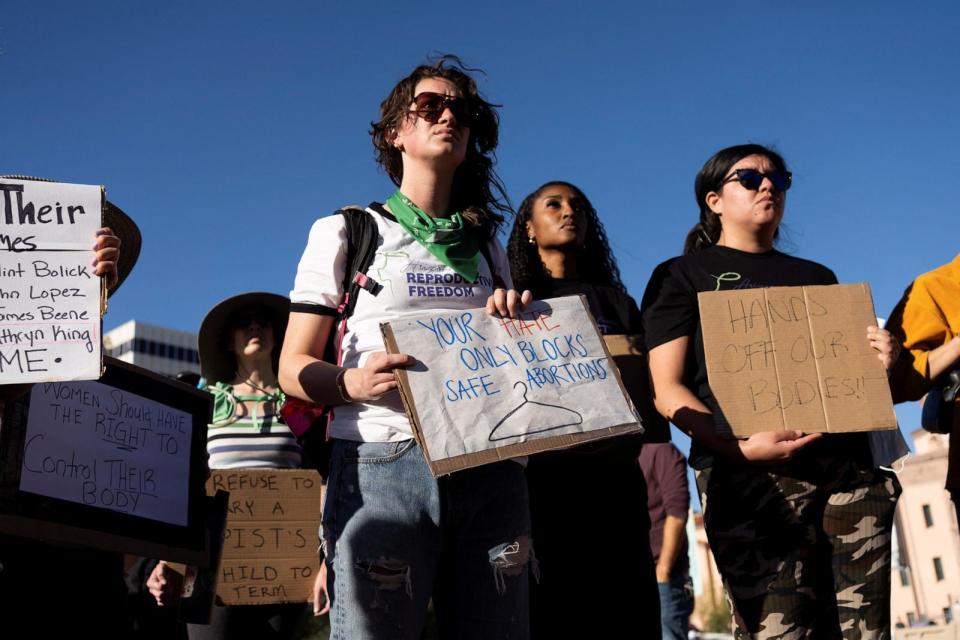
(254,385)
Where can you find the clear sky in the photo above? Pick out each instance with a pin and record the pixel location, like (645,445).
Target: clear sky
(225,129)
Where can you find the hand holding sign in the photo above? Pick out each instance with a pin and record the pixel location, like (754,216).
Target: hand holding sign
(508,302)
(49,289)
(485,388)
(796,359)
(375,377)
(106,249)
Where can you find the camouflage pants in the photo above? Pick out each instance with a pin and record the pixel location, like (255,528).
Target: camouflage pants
(804,550)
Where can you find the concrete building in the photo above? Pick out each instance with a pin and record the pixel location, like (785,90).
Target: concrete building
(165,351)
(708,585)
(926,573)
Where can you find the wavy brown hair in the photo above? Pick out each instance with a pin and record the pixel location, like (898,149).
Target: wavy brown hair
(477,191)
(596,264)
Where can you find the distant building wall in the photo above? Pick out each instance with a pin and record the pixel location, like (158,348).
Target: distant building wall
(160,349)
(925,584)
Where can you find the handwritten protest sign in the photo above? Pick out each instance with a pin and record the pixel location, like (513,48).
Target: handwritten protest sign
(270,544)
(49,295)
(101,446)
(486,388)
(794,358)
(117,464)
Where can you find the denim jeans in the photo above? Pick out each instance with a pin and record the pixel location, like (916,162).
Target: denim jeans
(676,605)
(395,536)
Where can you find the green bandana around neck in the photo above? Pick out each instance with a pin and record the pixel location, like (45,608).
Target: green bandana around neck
(448,240)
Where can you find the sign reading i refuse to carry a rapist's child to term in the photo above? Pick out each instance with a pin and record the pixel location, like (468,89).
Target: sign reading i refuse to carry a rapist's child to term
(50,299)
(794,358)
(485,388)
(100,446)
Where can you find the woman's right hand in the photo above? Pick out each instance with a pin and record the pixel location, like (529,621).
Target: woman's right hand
(162,584)
(772,447)
(321,599)
(375,377)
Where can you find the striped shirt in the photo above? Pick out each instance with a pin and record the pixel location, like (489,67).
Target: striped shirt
(249,441)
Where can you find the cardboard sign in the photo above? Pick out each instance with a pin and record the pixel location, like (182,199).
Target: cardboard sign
(485,389)
(117,464)
(630,357)
(271,540)
(794,358)
(50,299)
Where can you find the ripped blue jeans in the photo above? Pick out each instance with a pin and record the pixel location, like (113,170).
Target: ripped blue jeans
(395,536)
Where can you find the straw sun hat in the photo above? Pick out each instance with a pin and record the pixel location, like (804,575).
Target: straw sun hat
(217,362)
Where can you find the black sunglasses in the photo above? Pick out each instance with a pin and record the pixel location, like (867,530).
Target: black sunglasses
(752,179)
(246,317)
(430,106)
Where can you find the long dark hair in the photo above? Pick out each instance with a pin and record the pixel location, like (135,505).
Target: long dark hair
(706,233)
(595,262)
(477,191)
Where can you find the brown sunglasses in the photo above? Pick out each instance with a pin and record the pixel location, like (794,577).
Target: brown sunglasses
(430,106)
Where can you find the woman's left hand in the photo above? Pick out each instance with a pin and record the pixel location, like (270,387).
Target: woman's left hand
(508,302)
(107,247)
(884,342)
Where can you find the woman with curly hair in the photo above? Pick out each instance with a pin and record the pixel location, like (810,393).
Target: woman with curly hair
(588,504)
(393,535)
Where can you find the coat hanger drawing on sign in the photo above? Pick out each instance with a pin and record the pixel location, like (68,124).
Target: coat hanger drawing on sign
(514,420)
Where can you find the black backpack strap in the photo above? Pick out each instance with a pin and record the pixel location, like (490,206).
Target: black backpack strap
(362,236)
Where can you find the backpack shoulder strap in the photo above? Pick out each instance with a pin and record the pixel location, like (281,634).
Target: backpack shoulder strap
(362,235)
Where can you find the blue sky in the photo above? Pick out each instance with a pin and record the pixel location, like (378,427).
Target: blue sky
(225,129)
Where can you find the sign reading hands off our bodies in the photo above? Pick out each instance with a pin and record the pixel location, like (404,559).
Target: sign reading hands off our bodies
(794,358)
(485,388)
(49,295)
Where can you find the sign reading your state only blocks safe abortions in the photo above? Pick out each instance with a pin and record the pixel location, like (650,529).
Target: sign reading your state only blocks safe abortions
(49,295)
(485,388)
(794,358)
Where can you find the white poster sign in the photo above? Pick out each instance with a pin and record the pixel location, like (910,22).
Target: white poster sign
(49,295)
(483,383)
(98,445)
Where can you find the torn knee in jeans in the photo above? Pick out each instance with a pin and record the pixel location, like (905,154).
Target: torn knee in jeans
(510,559)
(389,575)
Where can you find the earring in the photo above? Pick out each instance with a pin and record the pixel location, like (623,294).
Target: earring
(531,240)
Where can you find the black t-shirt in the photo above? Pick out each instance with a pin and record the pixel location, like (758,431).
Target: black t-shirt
(616,313)
(671,311)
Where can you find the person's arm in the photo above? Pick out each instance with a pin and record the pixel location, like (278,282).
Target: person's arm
(321,597)
(677,403)
(943,358)
(304,373)
(929,350)
(670,469)
(674,532)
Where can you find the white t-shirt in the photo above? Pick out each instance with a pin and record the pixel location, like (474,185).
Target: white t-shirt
(412,281)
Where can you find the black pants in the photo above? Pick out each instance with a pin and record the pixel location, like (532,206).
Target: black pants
(60,592)
(591,534)
(256,622)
